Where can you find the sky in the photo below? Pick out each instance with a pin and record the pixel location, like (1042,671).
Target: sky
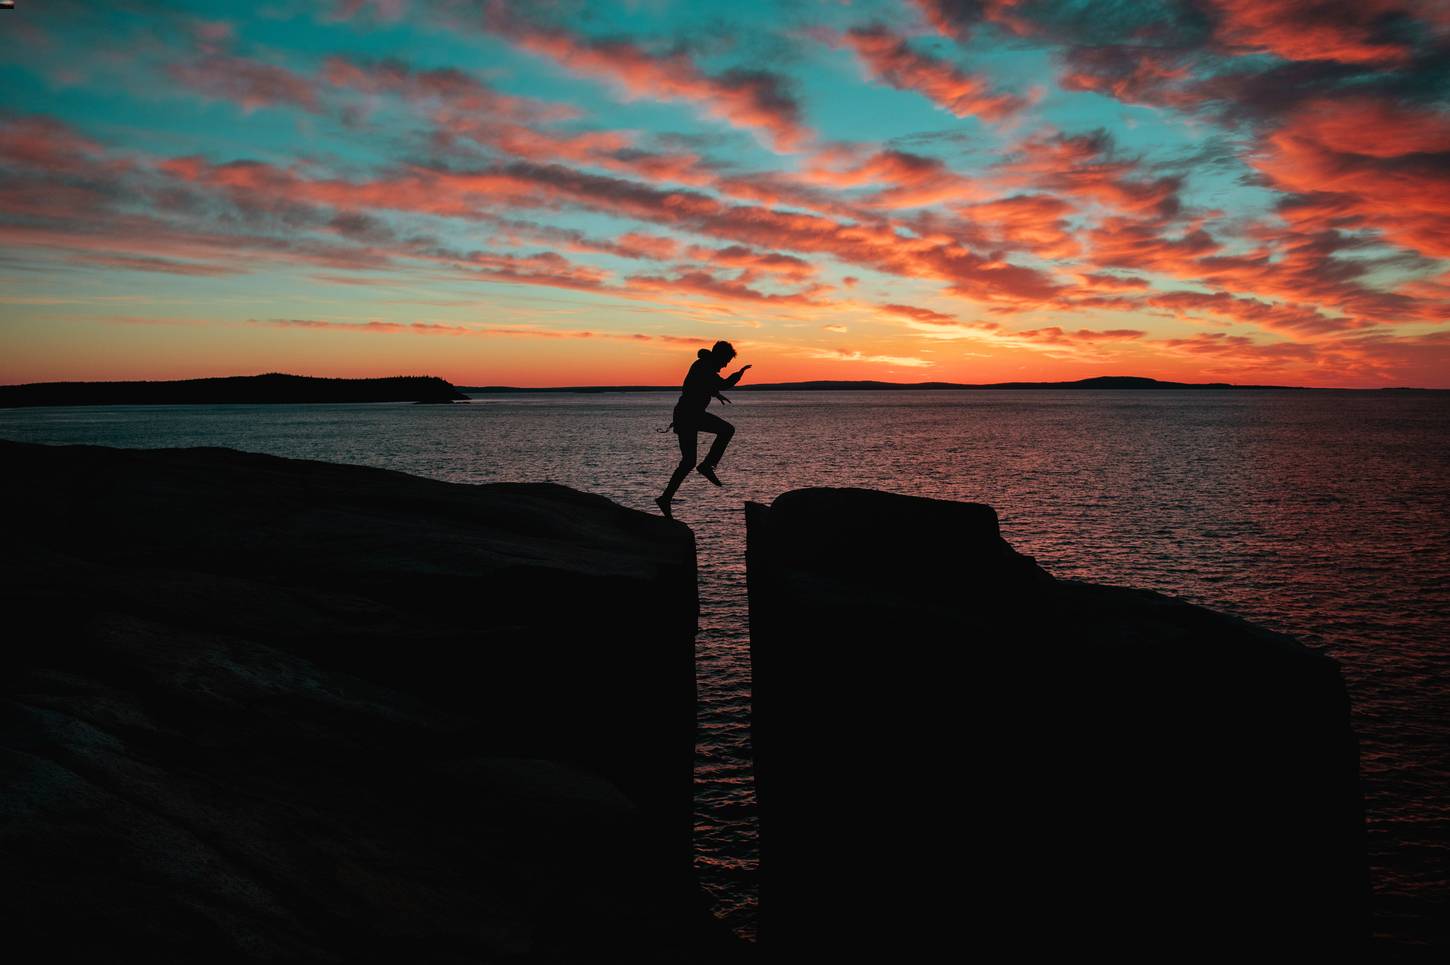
(584,193)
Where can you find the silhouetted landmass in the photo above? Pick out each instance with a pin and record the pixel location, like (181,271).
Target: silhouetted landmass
(267,709)
(520,390)
(954,749)
(273,387)
(1114,382)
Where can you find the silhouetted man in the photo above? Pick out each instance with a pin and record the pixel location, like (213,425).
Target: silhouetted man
(702,383)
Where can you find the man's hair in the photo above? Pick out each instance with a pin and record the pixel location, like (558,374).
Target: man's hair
(723,347)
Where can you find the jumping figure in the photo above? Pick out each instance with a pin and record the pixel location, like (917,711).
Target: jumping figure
(702,383)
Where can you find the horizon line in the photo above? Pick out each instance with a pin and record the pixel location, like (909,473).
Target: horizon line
(1128,383)
(1124,382)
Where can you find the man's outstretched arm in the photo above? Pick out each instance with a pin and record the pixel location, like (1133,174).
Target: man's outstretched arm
(730,380)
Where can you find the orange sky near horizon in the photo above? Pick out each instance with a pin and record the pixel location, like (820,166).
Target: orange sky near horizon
(599,359)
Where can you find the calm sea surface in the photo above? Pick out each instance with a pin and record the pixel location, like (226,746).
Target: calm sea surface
(1324,515)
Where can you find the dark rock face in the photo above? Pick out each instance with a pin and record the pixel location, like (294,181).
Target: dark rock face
(954,750)
(265,709)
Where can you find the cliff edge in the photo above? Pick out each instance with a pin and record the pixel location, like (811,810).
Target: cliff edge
(258,708)
(955,750)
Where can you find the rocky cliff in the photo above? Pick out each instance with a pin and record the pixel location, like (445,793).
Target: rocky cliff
(956,751)
(257,708)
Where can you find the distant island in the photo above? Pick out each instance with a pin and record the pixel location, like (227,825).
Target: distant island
(270,388)
(1100,382)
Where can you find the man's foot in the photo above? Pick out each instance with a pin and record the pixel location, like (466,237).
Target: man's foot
(664,505)
(709,473)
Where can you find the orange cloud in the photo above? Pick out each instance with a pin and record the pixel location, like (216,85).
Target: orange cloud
(754,100)
(1365,162)
(446,88)
(648,246)
(429,328)
(1034,222)
(1133,74)
(1086,169)
(373,327)
(889,58)
(787,267)
(1278,316)
(921,314)
(910,180)
(1349,33)
(45,144)
(1132,243)
(251,84)
(1110,282)
(958,18)
(704,283)
(1057,336)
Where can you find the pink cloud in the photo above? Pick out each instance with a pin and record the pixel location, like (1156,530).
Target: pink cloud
(889,58)
(704,283)
(250,84)
(431,328)
(648,246)
(1279,316)
(908,180)
(443,88)
(787,267)
(1350,33)
(1363,162)
(1057,336)
(921,314)
(754,100)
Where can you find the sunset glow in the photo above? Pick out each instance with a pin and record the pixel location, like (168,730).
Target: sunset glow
(1255,191)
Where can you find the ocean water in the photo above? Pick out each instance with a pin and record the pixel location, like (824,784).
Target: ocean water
(1324,515)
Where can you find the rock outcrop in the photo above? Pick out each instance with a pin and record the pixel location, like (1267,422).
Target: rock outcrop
(956,752)
(266,709)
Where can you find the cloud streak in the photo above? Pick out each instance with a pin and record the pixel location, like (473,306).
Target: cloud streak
(890,59)
(756,100)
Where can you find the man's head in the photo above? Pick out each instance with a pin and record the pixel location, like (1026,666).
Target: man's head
(722,352)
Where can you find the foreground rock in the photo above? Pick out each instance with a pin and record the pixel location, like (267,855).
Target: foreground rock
(956,751)
(264,709)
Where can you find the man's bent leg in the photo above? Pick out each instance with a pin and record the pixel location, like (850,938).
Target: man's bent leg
(723,433)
